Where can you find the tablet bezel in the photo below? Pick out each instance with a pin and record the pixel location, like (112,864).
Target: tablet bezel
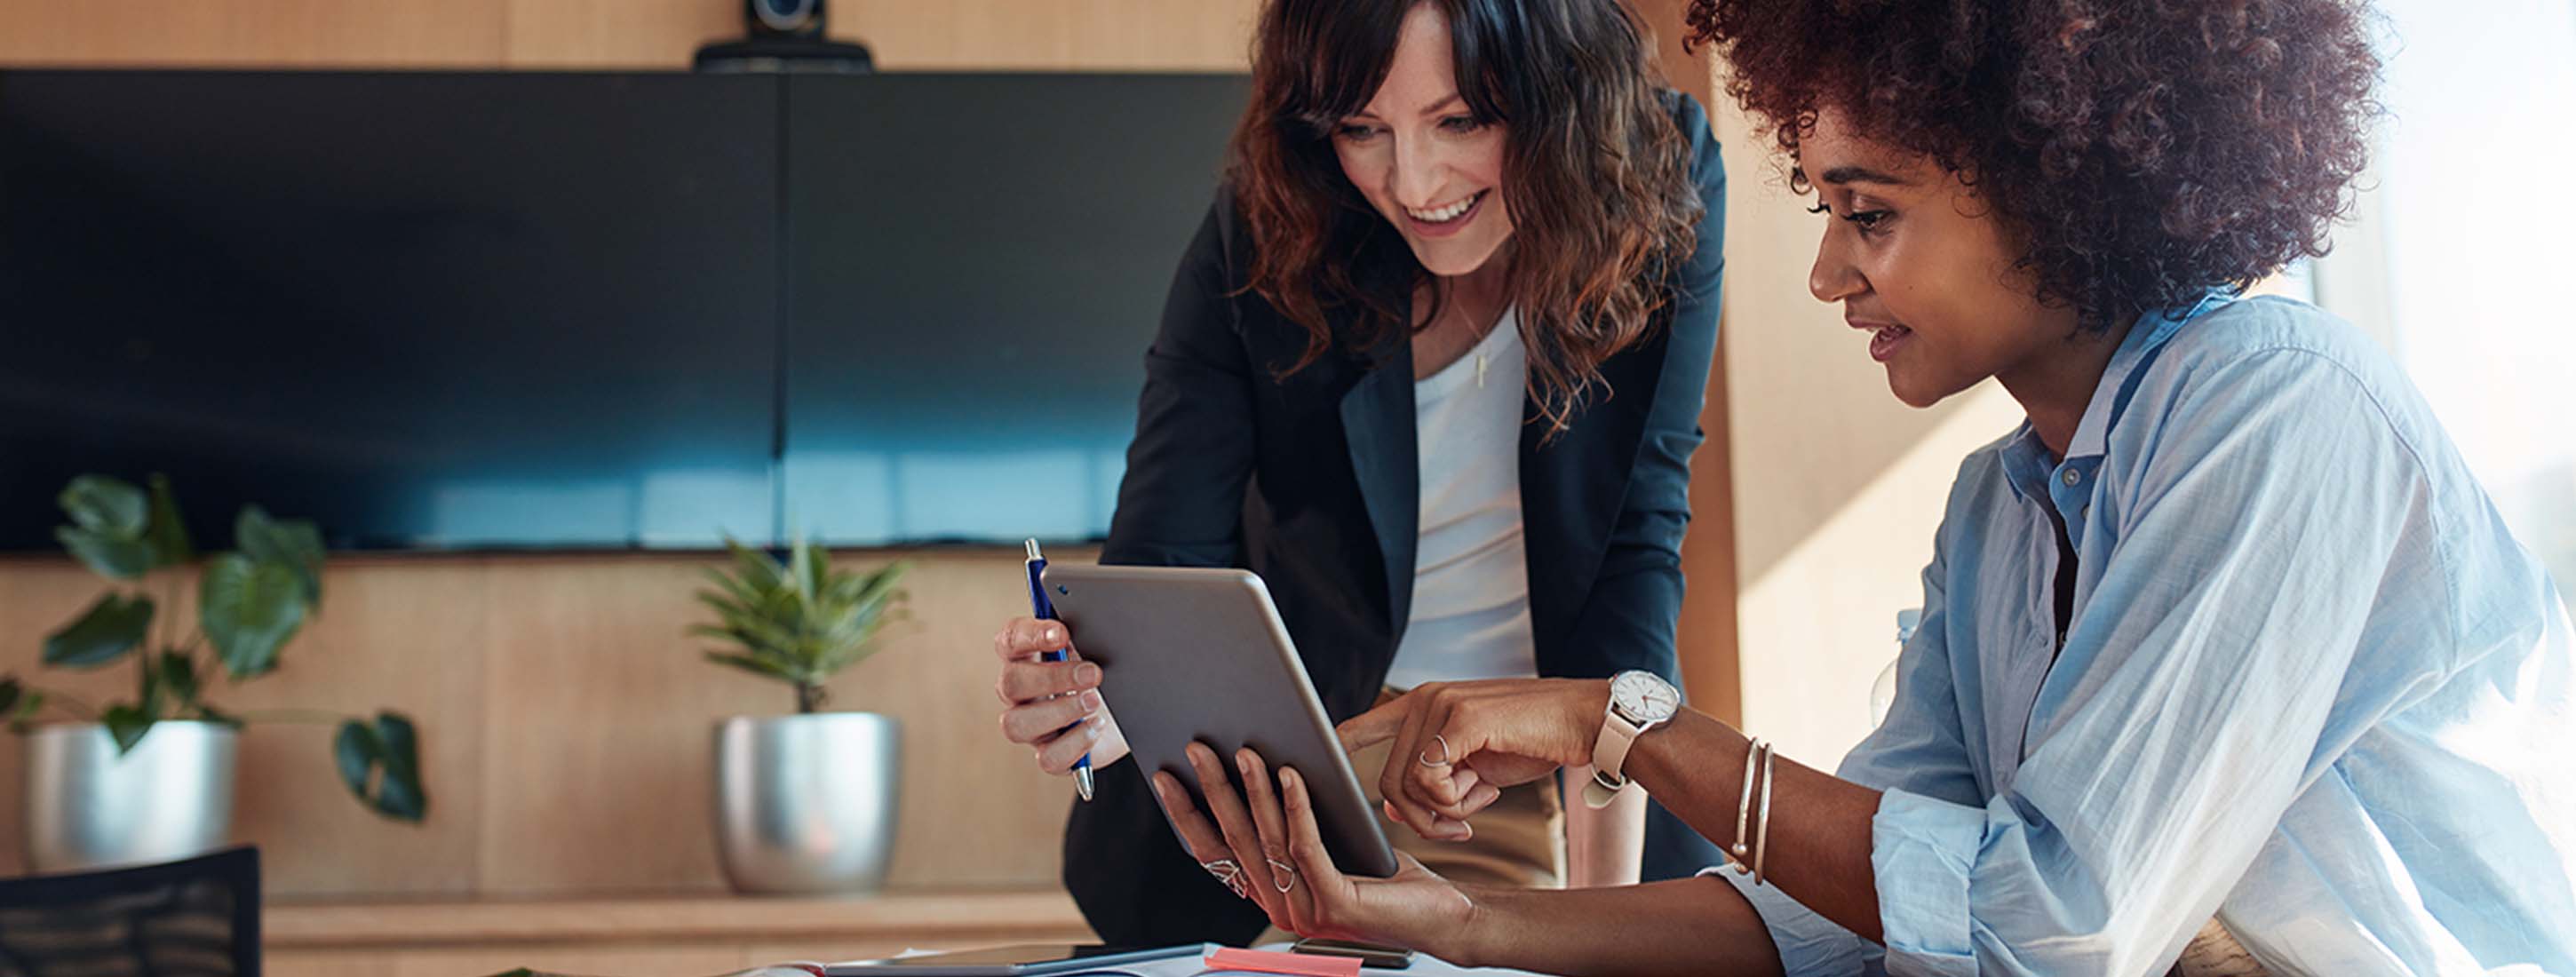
(1195,653)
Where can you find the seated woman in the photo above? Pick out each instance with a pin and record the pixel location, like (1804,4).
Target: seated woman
(2224,652)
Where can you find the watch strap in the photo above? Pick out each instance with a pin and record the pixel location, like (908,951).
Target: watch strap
(1609,757)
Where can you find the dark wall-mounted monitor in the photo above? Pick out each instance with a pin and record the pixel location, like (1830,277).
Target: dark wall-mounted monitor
(474,311)
(977,263)
(424,310)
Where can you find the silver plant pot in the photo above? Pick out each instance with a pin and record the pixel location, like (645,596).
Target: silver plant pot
(807,803)
(87,808)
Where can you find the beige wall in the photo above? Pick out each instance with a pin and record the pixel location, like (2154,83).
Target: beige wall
(1838,487)
(565,717)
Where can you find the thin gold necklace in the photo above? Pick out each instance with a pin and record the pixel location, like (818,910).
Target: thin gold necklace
(1483,355)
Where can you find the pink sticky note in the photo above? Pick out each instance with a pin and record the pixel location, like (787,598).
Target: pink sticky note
(1275,962)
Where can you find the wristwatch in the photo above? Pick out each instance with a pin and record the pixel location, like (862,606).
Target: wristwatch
(1639,701)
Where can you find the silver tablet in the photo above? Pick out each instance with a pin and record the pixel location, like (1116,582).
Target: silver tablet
(1199,654)
(1036,960)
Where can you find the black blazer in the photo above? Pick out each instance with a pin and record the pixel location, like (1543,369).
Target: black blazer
(1310,481)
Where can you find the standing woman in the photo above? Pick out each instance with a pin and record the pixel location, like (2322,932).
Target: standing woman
(2227,663)
(1433,368)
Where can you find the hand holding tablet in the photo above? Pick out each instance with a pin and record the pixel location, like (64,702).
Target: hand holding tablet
(1192,655)
(1256,783)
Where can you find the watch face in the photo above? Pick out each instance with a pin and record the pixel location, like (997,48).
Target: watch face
(1645,698)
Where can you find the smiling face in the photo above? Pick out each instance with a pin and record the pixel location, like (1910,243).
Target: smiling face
(1921,264)
(1422,157)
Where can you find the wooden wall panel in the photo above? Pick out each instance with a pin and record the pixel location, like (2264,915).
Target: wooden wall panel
(1706,641)
(252,33)
(406,635)
(1052,35)
(976,810)
(645,34)
(599,713)
(1014,35)
(567,723)
(602,717)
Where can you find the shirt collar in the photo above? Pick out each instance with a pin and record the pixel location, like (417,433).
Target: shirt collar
(2029,468)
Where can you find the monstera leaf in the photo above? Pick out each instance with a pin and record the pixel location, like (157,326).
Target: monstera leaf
(127,724)
(291,543)
(380,761)
(111,627)
(248,609)
(108,521)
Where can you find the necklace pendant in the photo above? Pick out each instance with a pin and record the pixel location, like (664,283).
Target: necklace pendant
(1480,371)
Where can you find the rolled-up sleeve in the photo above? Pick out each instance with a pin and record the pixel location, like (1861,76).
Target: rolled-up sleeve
(1807,943)
(1923,852)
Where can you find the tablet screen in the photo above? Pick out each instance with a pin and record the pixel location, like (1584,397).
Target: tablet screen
(1196,654)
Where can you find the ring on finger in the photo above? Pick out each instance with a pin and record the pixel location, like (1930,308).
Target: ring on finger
(1228,872)
(1283,876)
(1426,760)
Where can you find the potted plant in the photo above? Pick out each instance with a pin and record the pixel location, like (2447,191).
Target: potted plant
(804,803)
(150,778)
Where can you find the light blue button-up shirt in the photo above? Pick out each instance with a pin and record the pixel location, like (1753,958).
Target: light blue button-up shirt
(2312,687)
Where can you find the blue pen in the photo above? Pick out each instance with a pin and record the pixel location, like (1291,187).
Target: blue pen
(1043,609)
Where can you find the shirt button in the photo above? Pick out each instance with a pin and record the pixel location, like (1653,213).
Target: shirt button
(2073,476)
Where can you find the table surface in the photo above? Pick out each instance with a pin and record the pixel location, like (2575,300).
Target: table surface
(941,917)
(1424,965)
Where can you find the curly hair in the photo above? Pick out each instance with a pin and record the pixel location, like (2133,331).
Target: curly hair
(2143,150)
(1597,176)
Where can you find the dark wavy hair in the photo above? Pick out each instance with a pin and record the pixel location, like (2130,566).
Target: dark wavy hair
(1595,173)
(2144,150)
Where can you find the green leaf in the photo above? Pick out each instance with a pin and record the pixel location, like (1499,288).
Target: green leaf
(291,543)
(174,681)
(111,627)
(10,692)
(168,533)
(403,796)
(801,622)
(735,590)
(355,749)
(755,569)
(818,570)
(127,724)
(756,666)
(756,629)
(112,557)
(249,609)
(107,506)
(380,763)
(802,569)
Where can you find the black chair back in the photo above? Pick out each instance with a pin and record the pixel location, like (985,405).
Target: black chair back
(193,918)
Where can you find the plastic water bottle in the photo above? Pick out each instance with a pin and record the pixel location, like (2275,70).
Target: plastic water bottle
(1882,693)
